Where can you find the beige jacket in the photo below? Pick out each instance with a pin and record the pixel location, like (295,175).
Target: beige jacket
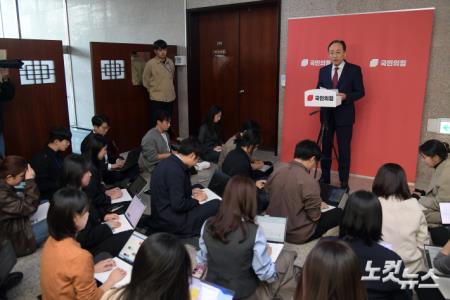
(158,79)
(438,191)
(405,228)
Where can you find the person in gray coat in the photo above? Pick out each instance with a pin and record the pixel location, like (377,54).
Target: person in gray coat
(155,145)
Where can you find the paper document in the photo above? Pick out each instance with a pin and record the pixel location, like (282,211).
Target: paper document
(210,195)
(124,225)
(445,212)
(125,197)
(102,277)
(276,250)
(330,207)
(264,168)
(40,214)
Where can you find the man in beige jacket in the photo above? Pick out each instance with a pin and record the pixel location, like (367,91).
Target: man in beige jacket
(158,80)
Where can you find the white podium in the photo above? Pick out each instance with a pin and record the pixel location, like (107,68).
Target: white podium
(322,98)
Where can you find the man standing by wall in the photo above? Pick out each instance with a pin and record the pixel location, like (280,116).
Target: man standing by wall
(347,79)
(158,79)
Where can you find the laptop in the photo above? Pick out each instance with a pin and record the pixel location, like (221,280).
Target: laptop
(125,259)
(135,188)
(202,290)
(442,280)
(274,229)
(444,208)
(131,160)
(132,215)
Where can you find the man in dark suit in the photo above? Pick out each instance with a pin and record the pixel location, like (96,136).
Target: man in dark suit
(175,203)
(347,79)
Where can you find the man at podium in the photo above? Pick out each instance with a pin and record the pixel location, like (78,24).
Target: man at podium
(347,79)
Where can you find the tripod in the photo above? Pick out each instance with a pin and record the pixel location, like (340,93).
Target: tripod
(324,129)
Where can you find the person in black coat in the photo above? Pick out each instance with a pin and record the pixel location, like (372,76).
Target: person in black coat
(361,229)
(48,162)
(94,152)
(97,236)
(347,79)
(176,207)
(113,163)
(209,135)
(238,162)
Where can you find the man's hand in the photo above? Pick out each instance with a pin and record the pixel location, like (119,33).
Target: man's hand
(257,164)
(114,193)
(199,195)
(343,96)
(119,164)
(260,183)
(218,148)
(323,205)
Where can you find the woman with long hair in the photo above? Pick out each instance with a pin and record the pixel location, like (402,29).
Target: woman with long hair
(410,235)
(331,271)
(94,151)
(210,134)
(97,236)
(161,271)
(233,236)
(361,228)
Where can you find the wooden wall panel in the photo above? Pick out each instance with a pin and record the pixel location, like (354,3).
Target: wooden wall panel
(36,108)
(126,105)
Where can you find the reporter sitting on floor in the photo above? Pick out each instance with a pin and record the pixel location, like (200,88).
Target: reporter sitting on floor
(67,270)
(295,194)
(233,246)
(176,207)
(16,209)
(161,270)
(97,236)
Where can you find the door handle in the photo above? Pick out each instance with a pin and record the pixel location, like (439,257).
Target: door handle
(241,91)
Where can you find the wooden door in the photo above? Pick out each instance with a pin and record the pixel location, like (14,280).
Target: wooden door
(126,105)
(258,70)
(233,62)
(40,102)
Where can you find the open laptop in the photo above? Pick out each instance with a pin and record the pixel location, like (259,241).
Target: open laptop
(131,160)
(202,290)
(274,229)
(125,259)
(132,215)
(442,280)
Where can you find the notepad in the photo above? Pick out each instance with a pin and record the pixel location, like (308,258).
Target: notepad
(330,207)
(210,195)
(445,212)
(40,214)
(125,197)
(274,229)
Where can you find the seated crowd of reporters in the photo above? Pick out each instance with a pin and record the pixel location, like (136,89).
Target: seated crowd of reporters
(389,223)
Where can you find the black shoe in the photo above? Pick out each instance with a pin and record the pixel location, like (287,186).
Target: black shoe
(12,280)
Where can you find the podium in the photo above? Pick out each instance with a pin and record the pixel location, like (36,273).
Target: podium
(322,98)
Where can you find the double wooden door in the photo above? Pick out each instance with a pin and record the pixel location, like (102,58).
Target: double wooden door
(233,62)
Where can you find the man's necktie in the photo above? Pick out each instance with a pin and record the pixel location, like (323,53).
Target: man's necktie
(335,77)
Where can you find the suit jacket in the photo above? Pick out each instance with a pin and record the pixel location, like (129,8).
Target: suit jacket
(293,193)
(48,167)
(171,193)
(152,144)
(350,83)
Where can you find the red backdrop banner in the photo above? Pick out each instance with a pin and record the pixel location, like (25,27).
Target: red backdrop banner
(392,49)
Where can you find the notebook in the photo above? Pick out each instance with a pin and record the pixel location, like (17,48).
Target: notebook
(125,259)
(274,229)
(134,189)
(133,214)
(202,290)
(444,207)
(41,213)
